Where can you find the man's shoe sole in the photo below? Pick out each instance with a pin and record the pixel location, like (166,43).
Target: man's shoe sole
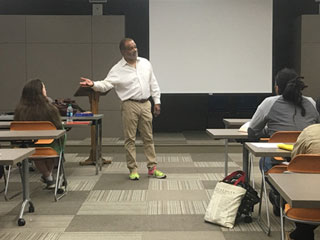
(163,177)
(134,179)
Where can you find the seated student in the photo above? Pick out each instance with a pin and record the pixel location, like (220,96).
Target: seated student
(308,142)
(34,106)
(288,111)
(318,104)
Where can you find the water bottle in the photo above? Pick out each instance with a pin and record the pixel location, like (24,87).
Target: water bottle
(69,113)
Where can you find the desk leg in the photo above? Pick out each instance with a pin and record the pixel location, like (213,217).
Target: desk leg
(61,180)
(102,161)
(281,218)
(226,157)
(97,156)
(25,192)
(245,161)
(96,134)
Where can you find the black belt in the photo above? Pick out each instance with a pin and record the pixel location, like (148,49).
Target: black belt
(139,100)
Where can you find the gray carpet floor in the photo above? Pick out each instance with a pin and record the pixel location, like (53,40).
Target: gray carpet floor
(110,206)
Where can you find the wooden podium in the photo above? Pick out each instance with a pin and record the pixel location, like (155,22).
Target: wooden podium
(94,108)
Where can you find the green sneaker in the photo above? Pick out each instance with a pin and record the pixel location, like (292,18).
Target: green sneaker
(134,176)
(153,172)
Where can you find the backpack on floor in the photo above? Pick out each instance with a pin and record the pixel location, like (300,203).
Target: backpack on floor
(250,198)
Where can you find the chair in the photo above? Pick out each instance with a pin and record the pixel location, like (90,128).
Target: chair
(44,152)
(277,137)
(309,164)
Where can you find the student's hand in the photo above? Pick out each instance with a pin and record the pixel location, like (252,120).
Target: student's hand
(86,82)
(156,110)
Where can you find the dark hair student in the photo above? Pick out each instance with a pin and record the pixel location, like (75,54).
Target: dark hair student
(290,85)
(288,111)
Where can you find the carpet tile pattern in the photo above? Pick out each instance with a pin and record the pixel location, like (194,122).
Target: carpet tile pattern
(109,206)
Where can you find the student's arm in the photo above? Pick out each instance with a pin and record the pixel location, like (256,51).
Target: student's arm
(257,127)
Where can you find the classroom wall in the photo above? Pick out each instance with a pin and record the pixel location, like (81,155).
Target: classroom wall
(308,52)
(184,111)
(58,50)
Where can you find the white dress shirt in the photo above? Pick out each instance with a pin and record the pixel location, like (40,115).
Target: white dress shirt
(131,83)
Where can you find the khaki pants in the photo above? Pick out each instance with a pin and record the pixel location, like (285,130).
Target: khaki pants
(135,116)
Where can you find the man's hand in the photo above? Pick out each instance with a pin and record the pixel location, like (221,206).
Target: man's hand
(86,82)
(156,110)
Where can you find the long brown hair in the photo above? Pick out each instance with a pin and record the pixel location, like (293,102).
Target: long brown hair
(34,106)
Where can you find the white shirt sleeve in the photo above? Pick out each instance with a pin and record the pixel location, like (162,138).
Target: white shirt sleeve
(154,88)
(107,83)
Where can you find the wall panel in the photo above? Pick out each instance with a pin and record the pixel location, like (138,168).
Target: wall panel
(59,50)
(58,29)
(13,32)
(13,75)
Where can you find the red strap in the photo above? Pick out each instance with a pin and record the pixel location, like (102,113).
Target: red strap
(241,179)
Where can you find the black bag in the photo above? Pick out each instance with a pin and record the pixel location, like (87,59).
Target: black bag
(250,198)
(1,171)
(63,103)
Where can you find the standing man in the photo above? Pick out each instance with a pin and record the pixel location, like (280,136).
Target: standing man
(134,82)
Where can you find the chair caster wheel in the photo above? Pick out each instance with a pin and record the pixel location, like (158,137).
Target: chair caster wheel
(31,209)
(21,222)
(247,219)
(60,191)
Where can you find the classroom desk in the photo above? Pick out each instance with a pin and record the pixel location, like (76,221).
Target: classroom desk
(265,151)
(96,151)
(5,125)
(27,137)
(14,156)
(8,135)
(257,151)
(227,134)
(235,122)
(292,188)
(6,117)
(96,120)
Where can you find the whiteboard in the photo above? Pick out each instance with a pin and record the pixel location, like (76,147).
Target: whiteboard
(211,46)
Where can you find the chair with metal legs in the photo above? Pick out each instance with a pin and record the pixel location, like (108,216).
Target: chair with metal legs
(281,137)
(43,151)
(302,163)
(6,177)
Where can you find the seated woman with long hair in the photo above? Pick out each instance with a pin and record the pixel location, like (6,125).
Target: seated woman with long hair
(34,106)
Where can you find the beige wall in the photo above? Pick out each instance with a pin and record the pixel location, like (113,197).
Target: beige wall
(308,51)
(58,50)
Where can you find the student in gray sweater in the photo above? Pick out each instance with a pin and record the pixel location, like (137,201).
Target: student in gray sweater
(288,111)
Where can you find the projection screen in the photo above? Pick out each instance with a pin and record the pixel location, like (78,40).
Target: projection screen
(212,46)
